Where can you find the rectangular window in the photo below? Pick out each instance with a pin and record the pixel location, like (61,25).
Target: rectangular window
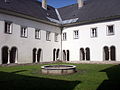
(37,34)
(64,36)
(110,30)
(48,36)
(76,34)
(93,32)
(56,37)
(8,27)
(24,32)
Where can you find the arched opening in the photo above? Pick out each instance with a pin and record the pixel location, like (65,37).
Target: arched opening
(39,55)
(13,55)
(106,53)
(68,55)
(5,55)
(54,54)
(64,55)
(34,55)
(113,53)
(57,54)
(87,54)
(82,54)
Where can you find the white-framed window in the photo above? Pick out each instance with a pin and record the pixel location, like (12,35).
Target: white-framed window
(64,36)
(56,37)
(48,36)
(37,34)
(24,31)
(93,32)
(110,30)
(76,34)
(8,27)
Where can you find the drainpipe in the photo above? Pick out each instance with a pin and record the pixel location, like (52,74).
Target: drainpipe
(61,28)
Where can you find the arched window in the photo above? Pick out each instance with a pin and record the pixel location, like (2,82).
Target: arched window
(82,54)
(64,55)
(87,54)
(39,55)
(113,53)
(106,53)
(13,55)
(57,54)
(54,54)
(5,55)
(68,55)
(34,55)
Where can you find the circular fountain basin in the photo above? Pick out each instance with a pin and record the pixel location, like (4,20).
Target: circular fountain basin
(58,69)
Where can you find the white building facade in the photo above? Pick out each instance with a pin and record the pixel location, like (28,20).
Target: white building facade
(18,48)
(71,33)
(89,45)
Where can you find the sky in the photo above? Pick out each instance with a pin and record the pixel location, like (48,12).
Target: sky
(60,3)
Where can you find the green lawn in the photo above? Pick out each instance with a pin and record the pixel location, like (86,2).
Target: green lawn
(87,77)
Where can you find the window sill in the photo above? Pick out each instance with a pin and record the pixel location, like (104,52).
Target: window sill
(56,41)
(76,38)
(110,34)
(48,40)
(23,37)
(37,38)
(7,33)
(94,37)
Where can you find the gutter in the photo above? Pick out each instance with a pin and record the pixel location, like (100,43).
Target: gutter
(92,21)
(61,24)
(61,28)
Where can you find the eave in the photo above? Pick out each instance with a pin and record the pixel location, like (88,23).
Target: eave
(103,19)
(8,12)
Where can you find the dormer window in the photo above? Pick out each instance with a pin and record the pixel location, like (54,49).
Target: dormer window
(8,27)
(24,32)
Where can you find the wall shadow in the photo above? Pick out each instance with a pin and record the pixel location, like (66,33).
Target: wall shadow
(113,82)
(12,81)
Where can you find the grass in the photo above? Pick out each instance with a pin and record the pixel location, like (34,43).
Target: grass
(87,77)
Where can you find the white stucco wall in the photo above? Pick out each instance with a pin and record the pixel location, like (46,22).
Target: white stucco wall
(26,45)
(95,44)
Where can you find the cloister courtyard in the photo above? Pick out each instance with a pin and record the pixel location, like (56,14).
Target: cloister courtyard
(87,77)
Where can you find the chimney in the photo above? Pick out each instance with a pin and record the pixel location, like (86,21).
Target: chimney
(80,3)
(44,4)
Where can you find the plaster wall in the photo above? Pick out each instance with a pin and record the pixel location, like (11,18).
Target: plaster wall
(95,44)
(25,45)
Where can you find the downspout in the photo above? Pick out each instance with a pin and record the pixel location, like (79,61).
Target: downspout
(61,28)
